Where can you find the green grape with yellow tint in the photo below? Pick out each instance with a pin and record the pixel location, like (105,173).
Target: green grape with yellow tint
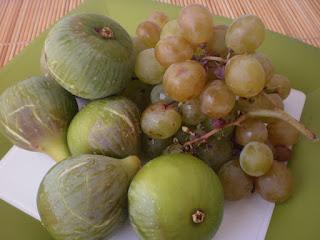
(256,159)
(266,63)
(160,121)
(245,34)
(147,67)
(251,130)
(159,18)
(196,23)
(184,80)
(282,133)
(171,28)
(235,182)
(149,33)
(172,50)
(217,100)
(217,44)
(245,76)
(279,84)
(191,112)
(277,184)
(158,95)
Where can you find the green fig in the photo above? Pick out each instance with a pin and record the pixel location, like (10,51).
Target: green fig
(175,197)
(107,127)
(90,55)
(85,197)
(35,115)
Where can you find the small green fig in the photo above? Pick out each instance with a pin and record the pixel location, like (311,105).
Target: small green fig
(107,127)
(35,115)
(85,197)
(90,55)
(175,197)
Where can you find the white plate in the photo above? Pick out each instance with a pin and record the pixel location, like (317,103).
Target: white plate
(21,172)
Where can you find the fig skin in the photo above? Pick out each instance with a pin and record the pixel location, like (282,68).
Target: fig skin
(90,55)
(109,126)
(35,114)
(85,197)
(167,192)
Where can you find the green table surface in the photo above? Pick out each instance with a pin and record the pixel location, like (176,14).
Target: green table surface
(298,218)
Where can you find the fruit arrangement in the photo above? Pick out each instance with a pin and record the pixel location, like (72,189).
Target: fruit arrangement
(176,119)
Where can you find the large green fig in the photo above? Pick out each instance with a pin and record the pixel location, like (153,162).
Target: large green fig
(108,127)
(175,197)
(90,55)
(35,115)
(85,197)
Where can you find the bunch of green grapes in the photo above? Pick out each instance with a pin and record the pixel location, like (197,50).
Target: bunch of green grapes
(204,78)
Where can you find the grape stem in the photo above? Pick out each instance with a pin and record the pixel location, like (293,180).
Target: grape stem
(270,99)
(213,58)
(276,113)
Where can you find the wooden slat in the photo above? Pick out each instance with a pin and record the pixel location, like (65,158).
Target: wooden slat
(23,20)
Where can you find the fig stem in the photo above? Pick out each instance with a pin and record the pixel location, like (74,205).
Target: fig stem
(131,165)
(57,150)
(105,32)
(198,216)
(276,113)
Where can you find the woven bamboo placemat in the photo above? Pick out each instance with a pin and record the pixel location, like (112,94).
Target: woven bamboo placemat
(23,20)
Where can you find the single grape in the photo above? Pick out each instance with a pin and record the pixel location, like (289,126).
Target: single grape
(138,46)
(173,148)
(191,112)
(282,133)
(185,80)
(277,184)
(215,152)
(282,153)
(171,28)
(258,102)
(279,84)
(256,159)
(160,121)
(245,34)
(196,23)
(217,100)
(265,63)
(236,184)
(276,100)
(217,44)
(157,94)
(149,33)
(147,68)
(138,92)
(251,130)
(158,18)
(245,76)
(152,148)
(172,50)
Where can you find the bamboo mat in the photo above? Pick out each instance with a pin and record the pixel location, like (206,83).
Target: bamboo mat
(23,20)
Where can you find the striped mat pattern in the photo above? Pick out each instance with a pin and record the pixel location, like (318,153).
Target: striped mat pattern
(23,20)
